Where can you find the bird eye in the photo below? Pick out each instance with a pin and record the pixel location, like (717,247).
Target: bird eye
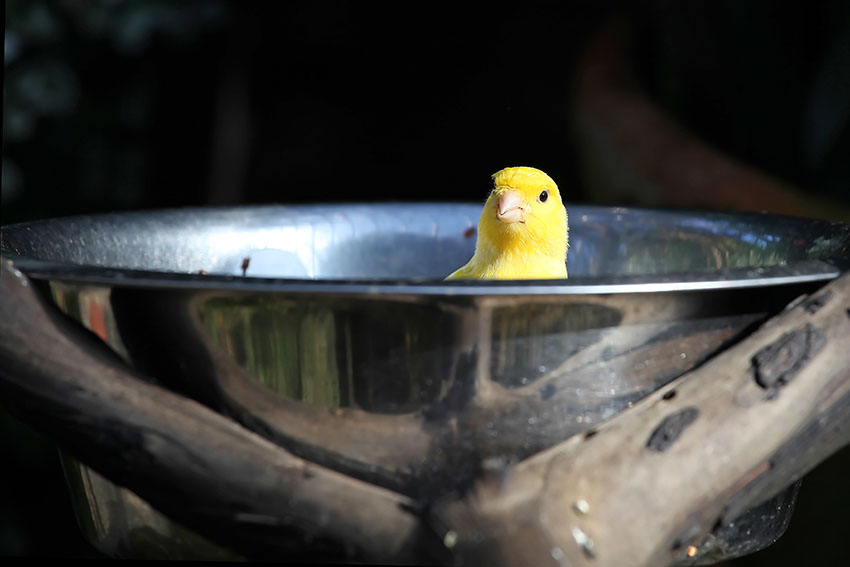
(543,196)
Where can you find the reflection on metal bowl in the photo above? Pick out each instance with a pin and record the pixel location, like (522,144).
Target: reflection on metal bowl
(329,330)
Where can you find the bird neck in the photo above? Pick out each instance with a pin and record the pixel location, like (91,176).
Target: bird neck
(505,242)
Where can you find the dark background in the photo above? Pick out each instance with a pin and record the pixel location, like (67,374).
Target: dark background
(115,105)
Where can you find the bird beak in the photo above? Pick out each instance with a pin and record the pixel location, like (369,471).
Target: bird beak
(509,208)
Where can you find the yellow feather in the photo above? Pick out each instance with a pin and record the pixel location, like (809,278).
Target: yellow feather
(523,231)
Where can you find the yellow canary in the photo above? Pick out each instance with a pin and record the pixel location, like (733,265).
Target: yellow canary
(522,233)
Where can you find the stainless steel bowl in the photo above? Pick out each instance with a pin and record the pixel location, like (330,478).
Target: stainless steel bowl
(328,329)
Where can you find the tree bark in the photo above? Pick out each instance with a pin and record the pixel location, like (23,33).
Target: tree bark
(648,486)
(191,463)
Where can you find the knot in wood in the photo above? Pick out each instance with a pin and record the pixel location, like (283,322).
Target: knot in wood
(776,364)
(815,303)
(670,428)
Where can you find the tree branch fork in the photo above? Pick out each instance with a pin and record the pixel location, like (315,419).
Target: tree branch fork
(644,488)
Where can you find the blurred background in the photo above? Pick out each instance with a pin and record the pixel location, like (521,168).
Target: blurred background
(131,104)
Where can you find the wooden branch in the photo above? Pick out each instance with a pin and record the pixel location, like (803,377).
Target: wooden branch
(191,463)
(642,488)
(648,486)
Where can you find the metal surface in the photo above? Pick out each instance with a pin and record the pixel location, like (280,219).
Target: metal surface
(343,307)
(408,247)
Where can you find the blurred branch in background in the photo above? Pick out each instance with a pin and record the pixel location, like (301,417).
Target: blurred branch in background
(719,106)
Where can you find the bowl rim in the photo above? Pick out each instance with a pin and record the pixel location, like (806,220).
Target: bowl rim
(790,273)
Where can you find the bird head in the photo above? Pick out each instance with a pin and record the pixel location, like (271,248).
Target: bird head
(524,209)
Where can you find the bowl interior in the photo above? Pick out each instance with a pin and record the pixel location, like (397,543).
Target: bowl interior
(390,241)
